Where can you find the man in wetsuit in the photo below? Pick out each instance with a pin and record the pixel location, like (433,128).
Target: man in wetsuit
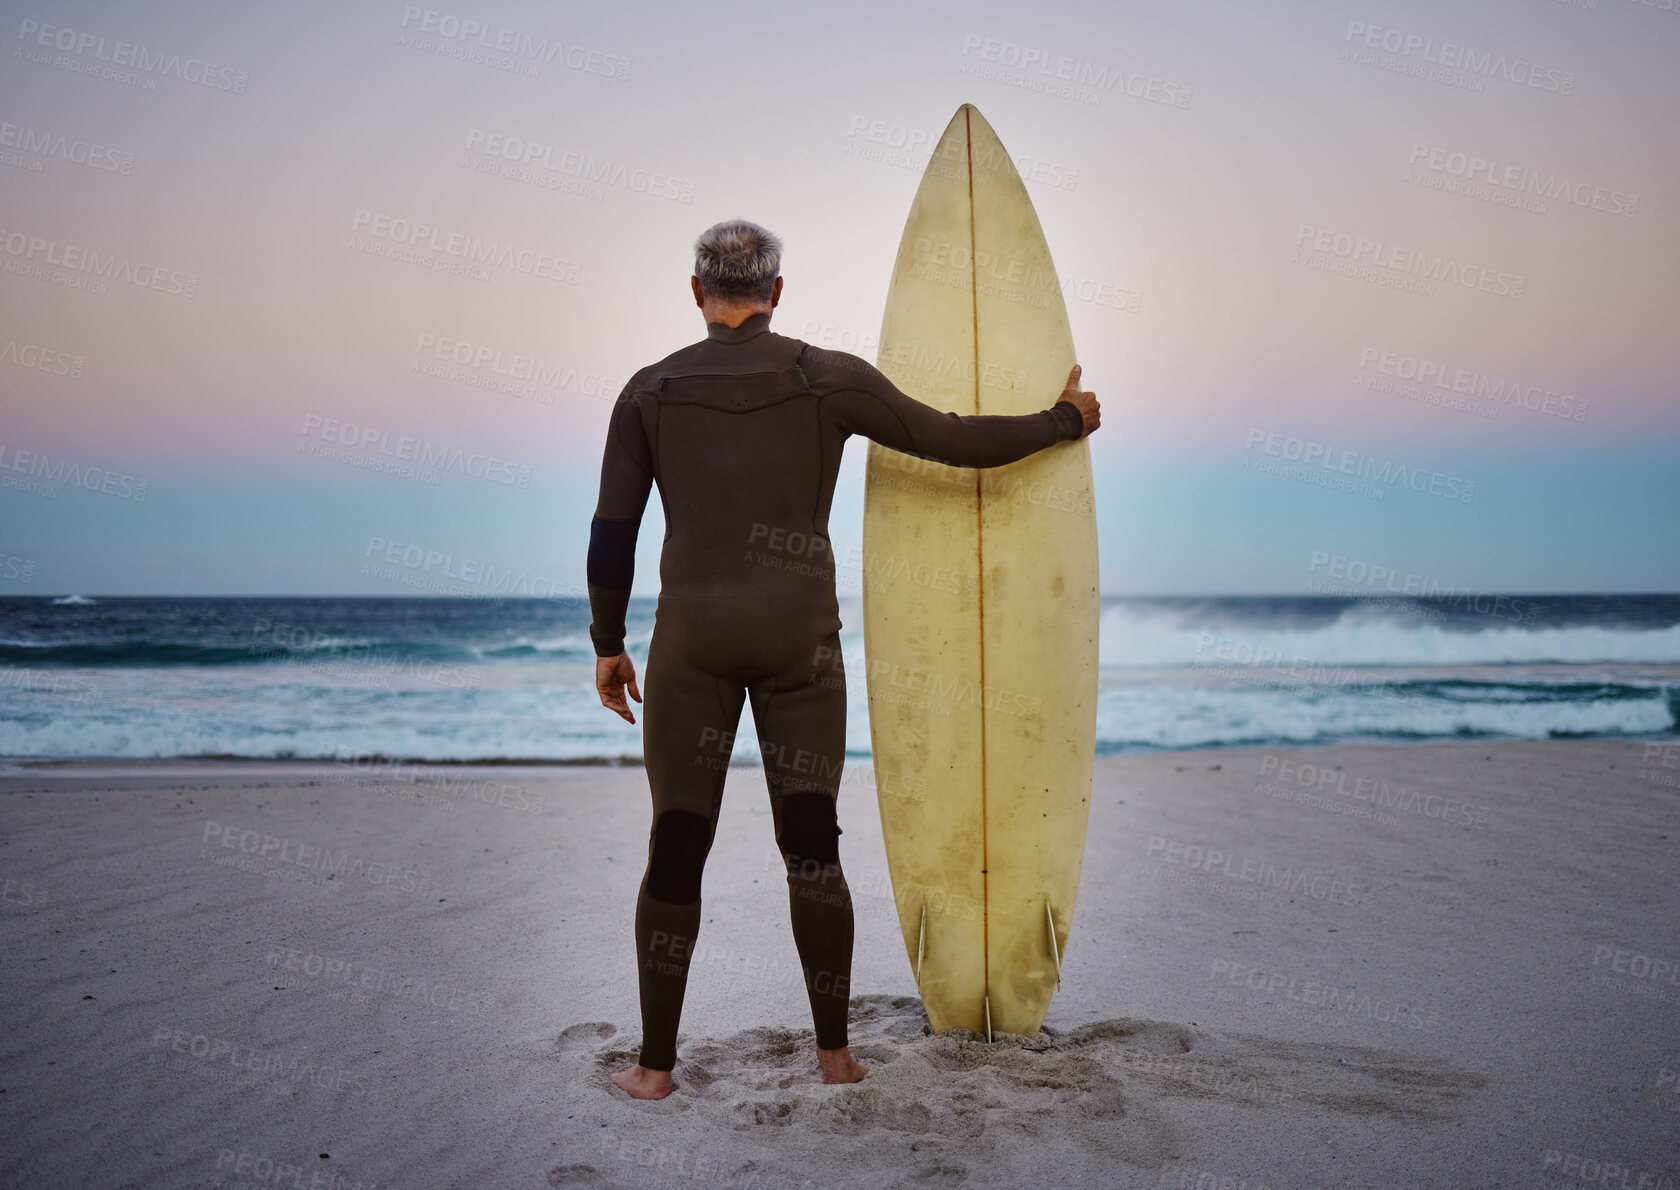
(742,432)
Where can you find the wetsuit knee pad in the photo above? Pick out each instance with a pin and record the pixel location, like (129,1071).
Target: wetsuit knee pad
(810,830)
(680,843)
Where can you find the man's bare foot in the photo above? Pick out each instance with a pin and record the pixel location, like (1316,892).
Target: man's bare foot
(641,1083)
(838,1066)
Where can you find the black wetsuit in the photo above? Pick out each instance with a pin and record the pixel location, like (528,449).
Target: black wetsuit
(743,431)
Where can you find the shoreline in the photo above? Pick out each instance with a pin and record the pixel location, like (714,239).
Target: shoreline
(141,766)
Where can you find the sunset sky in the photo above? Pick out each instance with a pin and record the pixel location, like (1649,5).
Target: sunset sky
(1247,205)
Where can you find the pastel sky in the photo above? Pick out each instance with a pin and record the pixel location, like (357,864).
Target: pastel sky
(1438,240)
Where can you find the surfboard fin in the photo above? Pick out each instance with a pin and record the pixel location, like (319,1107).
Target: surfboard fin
(1055,951)
(921,947)
(987,1005)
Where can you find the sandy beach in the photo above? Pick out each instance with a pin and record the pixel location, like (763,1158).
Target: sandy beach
(1451,964)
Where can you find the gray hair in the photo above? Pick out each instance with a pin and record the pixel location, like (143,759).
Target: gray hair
(737,261)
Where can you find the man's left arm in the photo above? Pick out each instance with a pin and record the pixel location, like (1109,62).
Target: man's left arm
(862,400)
(626,479)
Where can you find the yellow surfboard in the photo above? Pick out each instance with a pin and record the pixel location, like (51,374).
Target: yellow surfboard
(980,606)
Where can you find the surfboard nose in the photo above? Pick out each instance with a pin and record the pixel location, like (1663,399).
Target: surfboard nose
(972,114)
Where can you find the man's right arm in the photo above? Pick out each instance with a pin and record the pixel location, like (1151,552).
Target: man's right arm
(863,401)
(626,478)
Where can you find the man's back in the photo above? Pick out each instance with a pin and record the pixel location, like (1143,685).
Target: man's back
(743,433)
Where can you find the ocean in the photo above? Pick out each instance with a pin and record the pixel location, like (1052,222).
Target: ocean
(511,680)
